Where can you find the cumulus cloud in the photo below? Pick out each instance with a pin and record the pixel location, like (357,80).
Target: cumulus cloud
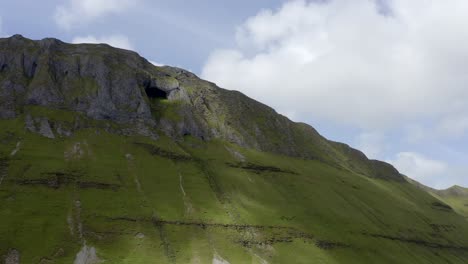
(118,41)
(417,166)
(77,12)
(359,62)
(156,63)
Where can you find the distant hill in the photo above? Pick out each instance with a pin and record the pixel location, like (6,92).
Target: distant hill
(455,196)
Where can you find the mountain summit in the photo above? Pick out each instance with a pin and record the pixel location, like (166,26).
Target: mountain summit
(105,83)
(106,157)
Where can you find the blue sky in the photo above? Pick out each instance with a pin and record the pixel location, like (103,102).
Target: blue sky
(175,32)
(385,76)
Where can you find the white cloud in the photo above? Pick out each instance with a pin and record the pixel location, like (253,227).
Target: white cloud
(77,12)
(118,41)
(346,62)
(156,63)
(421,168)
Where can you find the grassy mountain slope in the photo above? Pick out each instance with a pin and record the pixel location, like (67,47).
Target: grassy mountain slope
(136,200)
(455,196)
(106,83)
(204,175)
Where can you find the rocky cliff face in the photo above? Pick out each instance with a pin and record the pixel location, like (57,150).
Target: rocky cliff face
(105,83)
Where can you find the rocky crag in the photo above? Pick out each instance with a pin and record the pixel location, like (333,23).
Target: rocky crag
(106,83)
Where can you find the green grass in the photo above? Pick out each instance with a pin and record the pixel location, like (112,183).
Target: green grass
(164,108)
(456,197)
(241,215)
(459,204)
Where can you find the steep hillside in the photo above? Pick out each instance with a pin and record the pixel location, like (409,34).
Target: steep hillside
(105,157)
(105,83)
(455,196)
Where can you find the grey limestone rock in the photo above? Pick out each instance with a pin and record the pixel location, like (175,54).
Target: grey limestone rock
(29,124)
(45,129)
(87,255)
(119,86)
(12,257)
(61,131)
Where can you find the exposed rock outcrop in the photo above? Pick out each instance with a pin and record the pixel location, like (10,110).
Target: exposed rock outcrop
(12,257)
(110,84)
(87,255)
(45,129)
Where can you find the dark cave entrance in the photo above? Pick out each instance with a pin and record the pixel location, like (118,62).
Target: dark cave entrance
(155,93)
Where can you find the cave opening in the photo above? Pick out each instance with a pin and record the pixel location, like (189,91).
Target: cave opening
(155,93)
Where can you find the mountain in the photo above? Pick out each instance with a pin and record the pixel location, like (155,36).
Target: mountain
(455,196)
(107,158)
